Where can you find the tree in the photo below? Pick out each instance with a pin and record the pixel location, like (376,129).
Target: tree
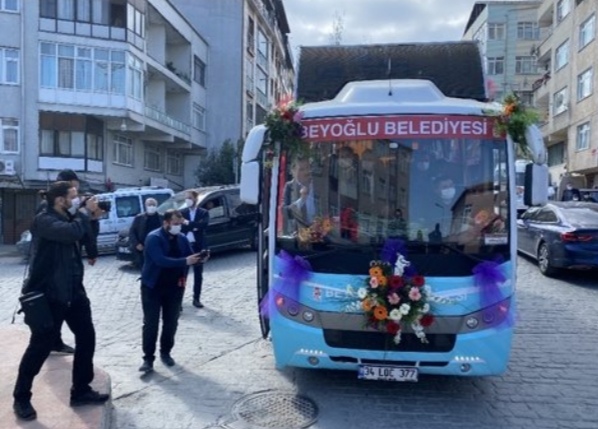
(220,166)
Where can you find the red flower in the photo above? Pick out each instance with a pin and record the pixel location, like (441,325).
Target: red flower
(396,282)
(418,281)
(392,328)
(427,320)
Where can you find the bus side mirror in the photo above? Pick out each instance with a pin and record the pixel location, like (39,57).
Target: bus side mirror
(250,182)
(535,192)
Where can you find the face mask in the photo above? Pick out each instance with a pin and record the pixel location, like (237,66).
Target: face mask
(569,187)
(75,202)
(448,193)
(151,209)
(189,202)
(175,229)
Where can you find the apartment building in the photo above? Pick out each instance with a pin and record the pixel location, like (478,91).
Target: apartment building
(508,35)
(251,65)
(566,92)
(113,89)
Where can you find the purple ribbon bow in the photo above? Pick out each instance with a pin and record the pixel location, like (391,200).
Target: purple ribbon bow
(488,276)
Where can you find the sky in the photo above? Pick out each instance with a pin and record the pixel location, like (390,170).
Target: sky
(376,21)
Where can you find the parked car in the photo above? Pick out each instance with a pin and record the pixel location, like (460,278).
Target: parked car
(232,222)
(560,235)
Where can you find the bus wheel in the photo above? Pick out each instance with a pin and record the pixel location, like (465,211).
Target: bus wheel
(544,261)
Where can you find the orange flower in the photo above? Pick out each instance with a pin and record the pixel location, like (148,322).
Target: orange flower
(376,272)
(382,281)
(366,304)
(380,313)
(509,108)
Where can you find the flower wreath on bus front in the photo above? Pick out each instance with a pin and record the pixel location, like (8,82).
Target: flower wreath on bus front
(393,298)
(513,119)
(284,126)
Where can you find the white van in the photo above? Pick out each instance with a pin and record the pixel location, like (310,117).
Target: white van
(126,203)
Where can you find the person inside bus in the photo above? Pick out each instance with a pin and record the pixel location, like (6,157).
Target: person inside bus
(571,193)
(445,198)
(299,203)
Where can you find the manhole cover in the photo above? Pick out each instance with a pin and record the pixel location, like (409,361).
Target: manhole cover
(276,410)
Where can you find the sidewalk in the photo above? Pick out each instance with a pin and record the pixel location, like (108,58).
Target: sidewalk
(9,250)
(51,390)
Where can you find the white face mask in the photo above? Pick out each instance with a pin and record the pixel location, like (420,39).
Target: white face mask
(151,209)
(189,202)
(569,187)
(75,203)
(448,193)
(175,229)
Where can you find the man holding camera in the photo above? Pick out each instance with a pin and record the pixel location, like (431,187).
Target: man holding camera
(57,271)
(168,256)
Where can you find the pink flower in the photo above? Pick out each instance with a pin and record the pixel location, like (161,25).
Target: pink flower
(415,294)
(394,299)
(298,116)
(374,282)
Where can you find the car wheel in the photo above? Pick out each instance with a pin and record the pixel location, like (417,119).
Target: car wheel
(544,261)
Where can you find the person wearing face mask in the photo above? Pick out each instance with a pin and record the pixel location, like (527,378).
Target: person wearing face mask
(168,255)
(56,270)
(90,245)
(571,194)
(142,225)
(443,205)
(195,223)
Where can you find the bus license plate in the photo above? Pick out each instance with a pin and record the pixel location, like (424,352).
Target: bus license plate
(389,373)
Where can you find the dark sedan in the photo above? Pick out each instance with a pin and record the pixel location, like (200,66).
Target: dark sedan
(560,235)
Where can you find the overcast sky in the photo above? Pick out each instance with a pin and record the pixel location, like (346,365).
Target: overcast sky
(376,21)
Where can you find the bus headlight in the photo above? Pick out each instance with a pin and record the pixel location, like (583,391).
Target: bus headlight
(472,322)
(308,316)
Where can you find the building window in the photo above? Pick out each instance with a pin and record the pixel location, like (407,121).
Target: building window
(95,147)
(583,137)
(556,154)
(63,144)
(496,31)
(525,65)
(174,163)
(496,65)
(152,159)
(587,31)
(9,5)
(584,84)
(562,10)
(528,31)
(199,71)
(559,102)
(9,135)
(135,77)
(135,20)
(82,68)
(250,35)
(562,55)
(526,97)
(123,151)
(199,117)
(9,66)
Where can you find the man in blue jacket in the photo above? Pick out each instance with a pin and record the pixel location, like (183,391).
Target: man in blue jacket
(167,255)
(195,223)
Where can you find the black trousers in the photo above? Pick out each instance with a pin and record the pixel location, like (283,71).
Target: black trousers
(160,299)
(139,259)
(197,275)
(78,318)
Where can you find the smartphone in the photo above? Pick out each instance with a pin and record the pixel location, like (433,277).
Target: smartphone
(204,254)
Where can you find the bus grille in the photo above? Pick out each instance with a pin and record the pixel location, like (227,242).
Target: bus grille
(437,343)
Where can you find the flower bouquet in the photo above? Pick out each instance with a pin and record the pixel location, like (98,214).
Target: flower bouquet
(316,232)
(391,299)
(284,125)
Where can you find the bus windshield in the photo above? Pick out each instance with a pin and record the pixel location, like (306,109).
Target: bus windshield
(340,202)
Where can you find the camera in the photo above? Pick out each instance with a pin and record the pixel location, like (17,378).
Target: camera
(104,205)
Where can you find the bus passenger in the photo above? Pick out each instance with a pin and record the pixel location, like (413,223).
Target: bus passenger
(299,204)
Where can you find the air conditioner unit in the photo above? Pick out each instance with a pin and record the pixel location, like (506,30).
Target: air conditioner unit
(7,167)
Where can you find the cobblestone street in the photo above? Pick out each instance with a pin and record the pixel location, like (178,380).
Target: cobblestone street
(551,382)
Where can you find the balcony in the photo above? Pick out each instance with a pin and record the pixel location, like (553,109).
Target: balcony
(546,13)
(541,89)
(164,119)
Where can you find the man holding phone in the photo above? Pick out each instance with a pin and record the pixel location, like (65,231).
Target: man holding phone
(168,255)
(195,223)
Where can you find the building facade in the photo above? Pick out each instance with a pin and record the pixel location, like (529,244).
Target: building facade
(251,66)
(113,89)
(508,35)
(565,93)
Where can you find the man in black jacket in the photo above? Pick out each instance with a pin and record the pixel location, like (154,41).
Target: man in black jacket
(195,224)
(142,225)
(56,269)
(90,245)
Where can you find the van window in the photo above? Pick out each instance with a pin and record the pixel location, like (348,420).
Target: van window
(238,207)
(215,207)
(160,198)
(127,206)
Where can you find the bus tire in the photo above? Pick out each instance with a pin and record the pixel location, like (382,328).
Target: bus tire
(544,264)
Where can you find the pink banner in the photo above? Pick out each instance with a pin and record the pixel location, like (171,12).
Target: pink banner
(398,126)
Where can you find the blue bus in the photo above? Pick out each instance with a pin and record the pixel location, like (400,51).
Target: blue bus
(387,242)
